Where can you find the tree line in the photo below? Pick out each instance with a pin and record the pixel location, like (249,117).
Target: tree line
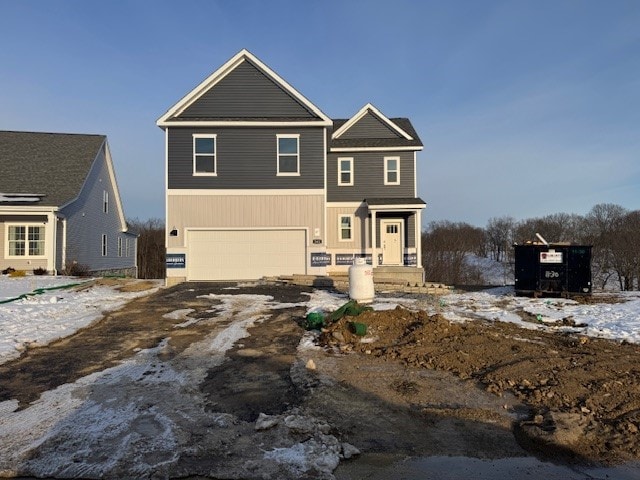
(611,229)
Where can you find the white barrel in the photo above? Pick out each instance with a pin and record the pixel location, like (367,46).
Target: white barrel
(361,281)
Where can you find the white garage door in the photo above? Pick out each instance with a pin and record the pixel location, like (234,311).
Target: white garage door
(245,254)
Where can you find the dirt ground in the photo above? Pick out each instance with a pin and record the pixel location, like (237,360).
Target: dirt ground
(415,385)
(582,394)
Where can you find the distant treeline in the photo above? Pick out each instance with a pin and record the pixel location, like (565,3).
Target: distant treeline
(151,249)
(612,230)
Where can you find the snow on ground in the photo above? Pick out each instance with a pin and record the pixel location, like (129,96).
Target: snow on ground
(42,318)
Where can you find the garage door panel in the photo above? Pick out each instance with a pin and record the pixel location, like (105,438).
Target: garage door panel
(245,254)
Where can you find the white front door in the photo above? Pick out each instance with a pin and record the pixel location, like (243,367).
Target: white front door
(391,239)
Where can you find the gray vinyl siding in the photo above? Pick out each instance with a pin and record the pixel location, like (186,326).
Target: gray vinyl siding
(246,92)
(369,126)
(368,180)
(246,158)
(87,222)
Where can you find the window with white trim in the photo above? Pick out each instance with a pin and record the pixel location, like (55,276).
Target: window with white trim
(345,171)
(105,201)
(392,170)
(204,155)
(104,245)
(119,246)
(345,228)
(126,248)
(288,155)
(25,240)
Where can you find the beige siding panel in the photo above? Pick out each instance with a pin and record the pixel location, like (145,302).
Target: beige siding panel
(243,212)
(361,228)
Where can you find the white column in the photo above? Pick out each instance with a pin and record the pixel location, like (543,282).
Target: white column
(50,242)
(374,245)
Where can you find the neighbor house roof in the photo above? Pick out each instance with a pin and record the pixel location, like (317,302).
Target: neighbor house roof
(53,166)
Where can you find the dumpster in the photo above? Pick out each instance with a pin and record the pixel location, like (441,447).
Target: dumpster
(562,269)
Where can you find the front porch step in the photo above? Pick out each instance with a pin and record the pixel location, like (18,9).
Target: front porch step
(341,282)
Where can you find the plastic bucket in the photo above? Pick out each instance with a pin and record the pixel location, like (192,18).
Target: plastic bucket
(315,321)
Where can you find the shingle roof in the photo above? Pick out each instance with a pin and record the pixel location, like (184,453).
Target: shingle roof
(52,164)
(395,201)
(403,123)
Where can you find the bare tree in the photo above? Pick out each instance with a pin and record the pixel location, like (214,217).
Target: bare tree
(499,235)
(151,247)
(601,224)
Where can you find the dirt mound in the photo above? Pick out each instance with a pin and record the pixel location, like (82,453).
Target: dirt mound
(584,393)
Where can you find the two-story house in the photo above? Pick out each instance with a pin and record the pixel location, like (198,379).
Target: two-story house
(260,182)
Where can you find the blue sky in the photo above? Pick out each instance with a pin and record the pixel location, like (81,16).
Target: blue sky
(525,108)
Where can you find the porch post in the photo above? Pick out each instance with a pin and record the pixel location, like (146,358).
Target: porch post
(418,215)
(374,246)
(50,243)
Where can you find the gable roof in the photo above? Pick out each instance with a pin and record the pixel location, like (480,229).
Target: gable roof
(243,90)
(370,129)
(50,166)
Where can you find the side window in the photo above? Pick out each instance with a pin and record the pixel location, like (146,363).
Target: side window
(288,155)
(345,171)
(345,228)
(392,170)
(204,155)
(105,201)
(119,246)
(104,245)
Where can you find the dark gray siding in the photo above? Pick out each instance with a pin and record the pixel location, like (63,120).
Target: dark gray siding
(246,159)
(246,92)
(369,126)
(369,177)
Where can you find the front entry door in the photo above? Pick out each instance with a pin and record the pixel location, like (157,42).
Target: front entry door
(391,242)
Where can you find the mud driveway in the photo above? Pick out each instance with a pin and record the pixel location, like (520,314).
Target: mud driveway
(213,381)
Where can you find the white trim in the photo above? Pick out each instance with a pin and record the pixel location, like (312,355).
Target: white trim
(246,123)
(351,217)
(278,154)
(374,149)
(324,168)
(415,174)
(242,56)
(194,137)
(397,208)
(340,172)
(361,113)
(243,192)
(387,171)
(27,225)
(166,190)
(27,210)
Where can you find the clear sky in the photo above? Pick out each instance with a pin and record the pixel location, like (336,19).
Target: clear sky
(525,108)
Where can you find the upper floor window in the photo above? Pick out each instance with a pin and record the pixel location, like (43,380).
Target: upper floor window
(105,201)
(392,170)
(119,246)
(345,228)
(288,154)
(345,171)
(204,155)
(104,245)
(25,240)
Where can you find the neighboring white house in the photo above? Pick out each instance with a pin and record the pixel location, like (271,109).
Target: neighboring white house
(60,205)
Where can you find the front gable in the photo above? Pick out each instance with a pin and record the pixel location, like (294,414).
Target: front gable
(369,122)
(243,90)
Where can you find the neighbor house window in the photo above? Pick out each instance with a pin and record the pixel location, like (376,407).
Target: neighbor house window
(104,245)
(345,228)
(25,240)
(119,246)
(345,171)
(288,154)
(105,201)
(126,247)
(392,170)
(204,155)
